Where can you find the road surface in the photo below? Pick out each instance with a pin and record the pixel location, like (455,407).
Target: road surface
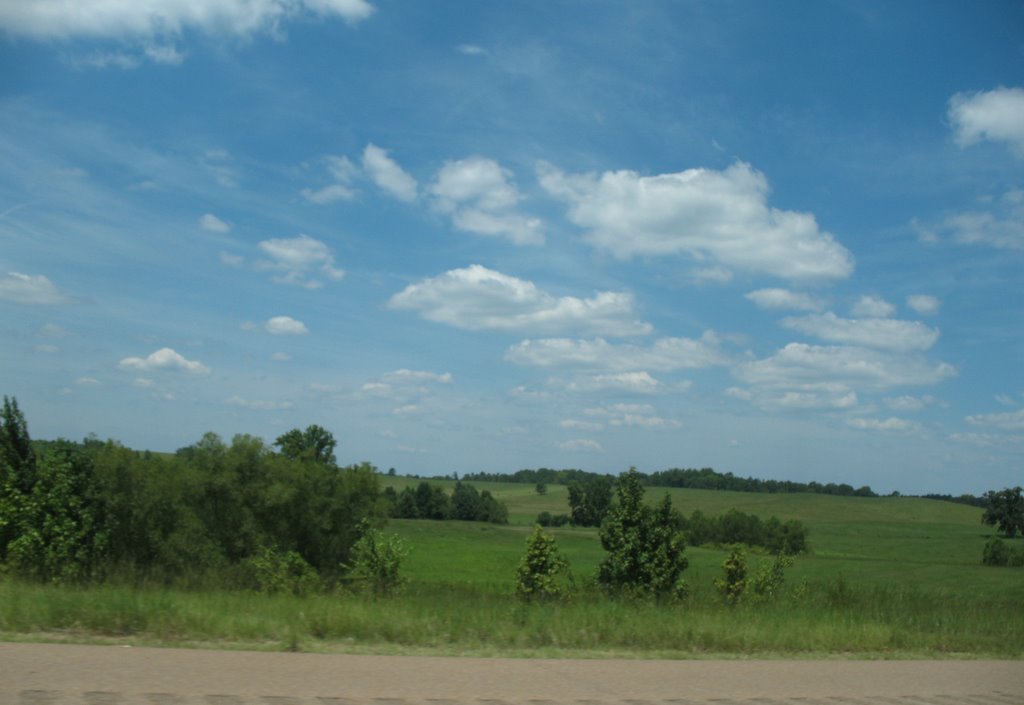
(64,674)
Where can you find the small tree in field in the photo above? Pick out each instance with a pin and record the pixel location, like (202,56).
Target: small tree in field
(645,548)
(733,584)
(537,575)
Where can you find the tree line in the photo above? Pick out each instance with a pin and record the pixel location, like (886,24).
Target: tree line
(85,511)
(689,478)
(427,501)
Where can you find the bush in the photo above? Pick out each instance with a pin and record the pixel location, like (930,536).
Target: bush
(377,559)
(549,519)
(734,583)
(995,553)
(537,575)
(767,582)
(271,572)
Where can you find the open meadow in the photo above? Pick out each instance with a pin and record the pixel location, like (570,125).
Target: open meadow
(885,577)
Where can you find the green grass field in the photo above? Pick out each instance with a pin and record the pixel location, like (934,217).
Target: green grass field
(886,577)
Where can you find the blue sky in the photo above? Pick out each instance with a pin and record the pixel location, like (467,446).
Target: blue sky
(778,239)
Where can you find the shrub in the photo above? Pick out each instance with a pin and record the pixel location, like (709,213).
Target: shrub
(734,583)
(271,571)
(767,582)
(377,559)
(537,575)
(549,519)
(995,553)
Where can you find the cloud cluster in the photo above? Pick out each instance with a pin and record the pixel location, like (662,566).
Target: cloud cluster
(722,215)
(784,299)
(996,116)
(299,261)
(164,359)
(477,298)
(1000,225)
(481,198)
(883,333)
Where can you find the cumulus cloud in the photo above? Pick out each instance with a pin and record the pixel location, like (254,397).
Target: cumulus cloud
(29,289)
(705,213)
(402,385)
(343,171)
(214,224)
(784,299)
(631,415)
(388,175)
(1000,225)
(872,307)
(885,333)
(1007,421)
(577,425)
(821,396)
(996,116)
(581,444)
(631,382)
(665,354)
(257,404)
(797,365)
(299,260)
(910,403)
(132,19)
(924,304)
(164,359)
(285,325)
(477,298)
(481,197)
(890,424)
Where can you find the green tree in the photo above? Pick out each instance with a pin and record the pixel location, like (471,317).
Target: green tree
(590,500)
(1006,511)
(644,545)
(315,443)
(17,459)
(540,567)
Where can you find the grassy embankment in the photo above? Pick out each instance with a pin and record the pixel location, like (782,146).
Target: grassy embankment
(886,577)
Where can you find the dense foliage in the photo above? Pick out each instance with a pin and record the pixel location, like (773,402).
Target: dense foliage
(537,577)
(427,501)
(589,500)
(703,479)
(81,511)
(736,527)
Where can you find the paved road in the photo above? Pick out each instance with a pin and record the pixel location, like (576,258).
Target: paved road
(112,675)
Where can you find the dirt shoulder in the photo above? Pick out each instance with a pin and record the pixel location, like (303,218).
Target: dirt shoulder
(75,673)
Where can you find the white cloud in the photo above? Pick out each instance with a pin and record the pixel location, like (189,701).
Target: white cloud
(470,50)
(52,330)
(631,382)
(404,384)
(581,444)
(1001,226)
(631,415)
(299,259)
(404,376)
(996,115)
(343,171)
(1007,421)
(166,54)
(127,19)
(784,299)
(214,224)
(87,382)
(388,175)
(910,403)
(822,396)
(231,260)
(1005,400)
(481,197)
(164,359)
(29,289)
(797,365)
(665,354)
(577,425)
(985,440)
(281,357)
(285,325)
(924,304)
(477,298)
(890,424)
(257,404)
(711,275)
(872,307)
(701,212)
(884,333)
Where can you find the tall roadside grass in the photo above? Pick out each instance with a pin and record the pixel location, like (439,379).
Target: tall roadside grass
(827,619)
